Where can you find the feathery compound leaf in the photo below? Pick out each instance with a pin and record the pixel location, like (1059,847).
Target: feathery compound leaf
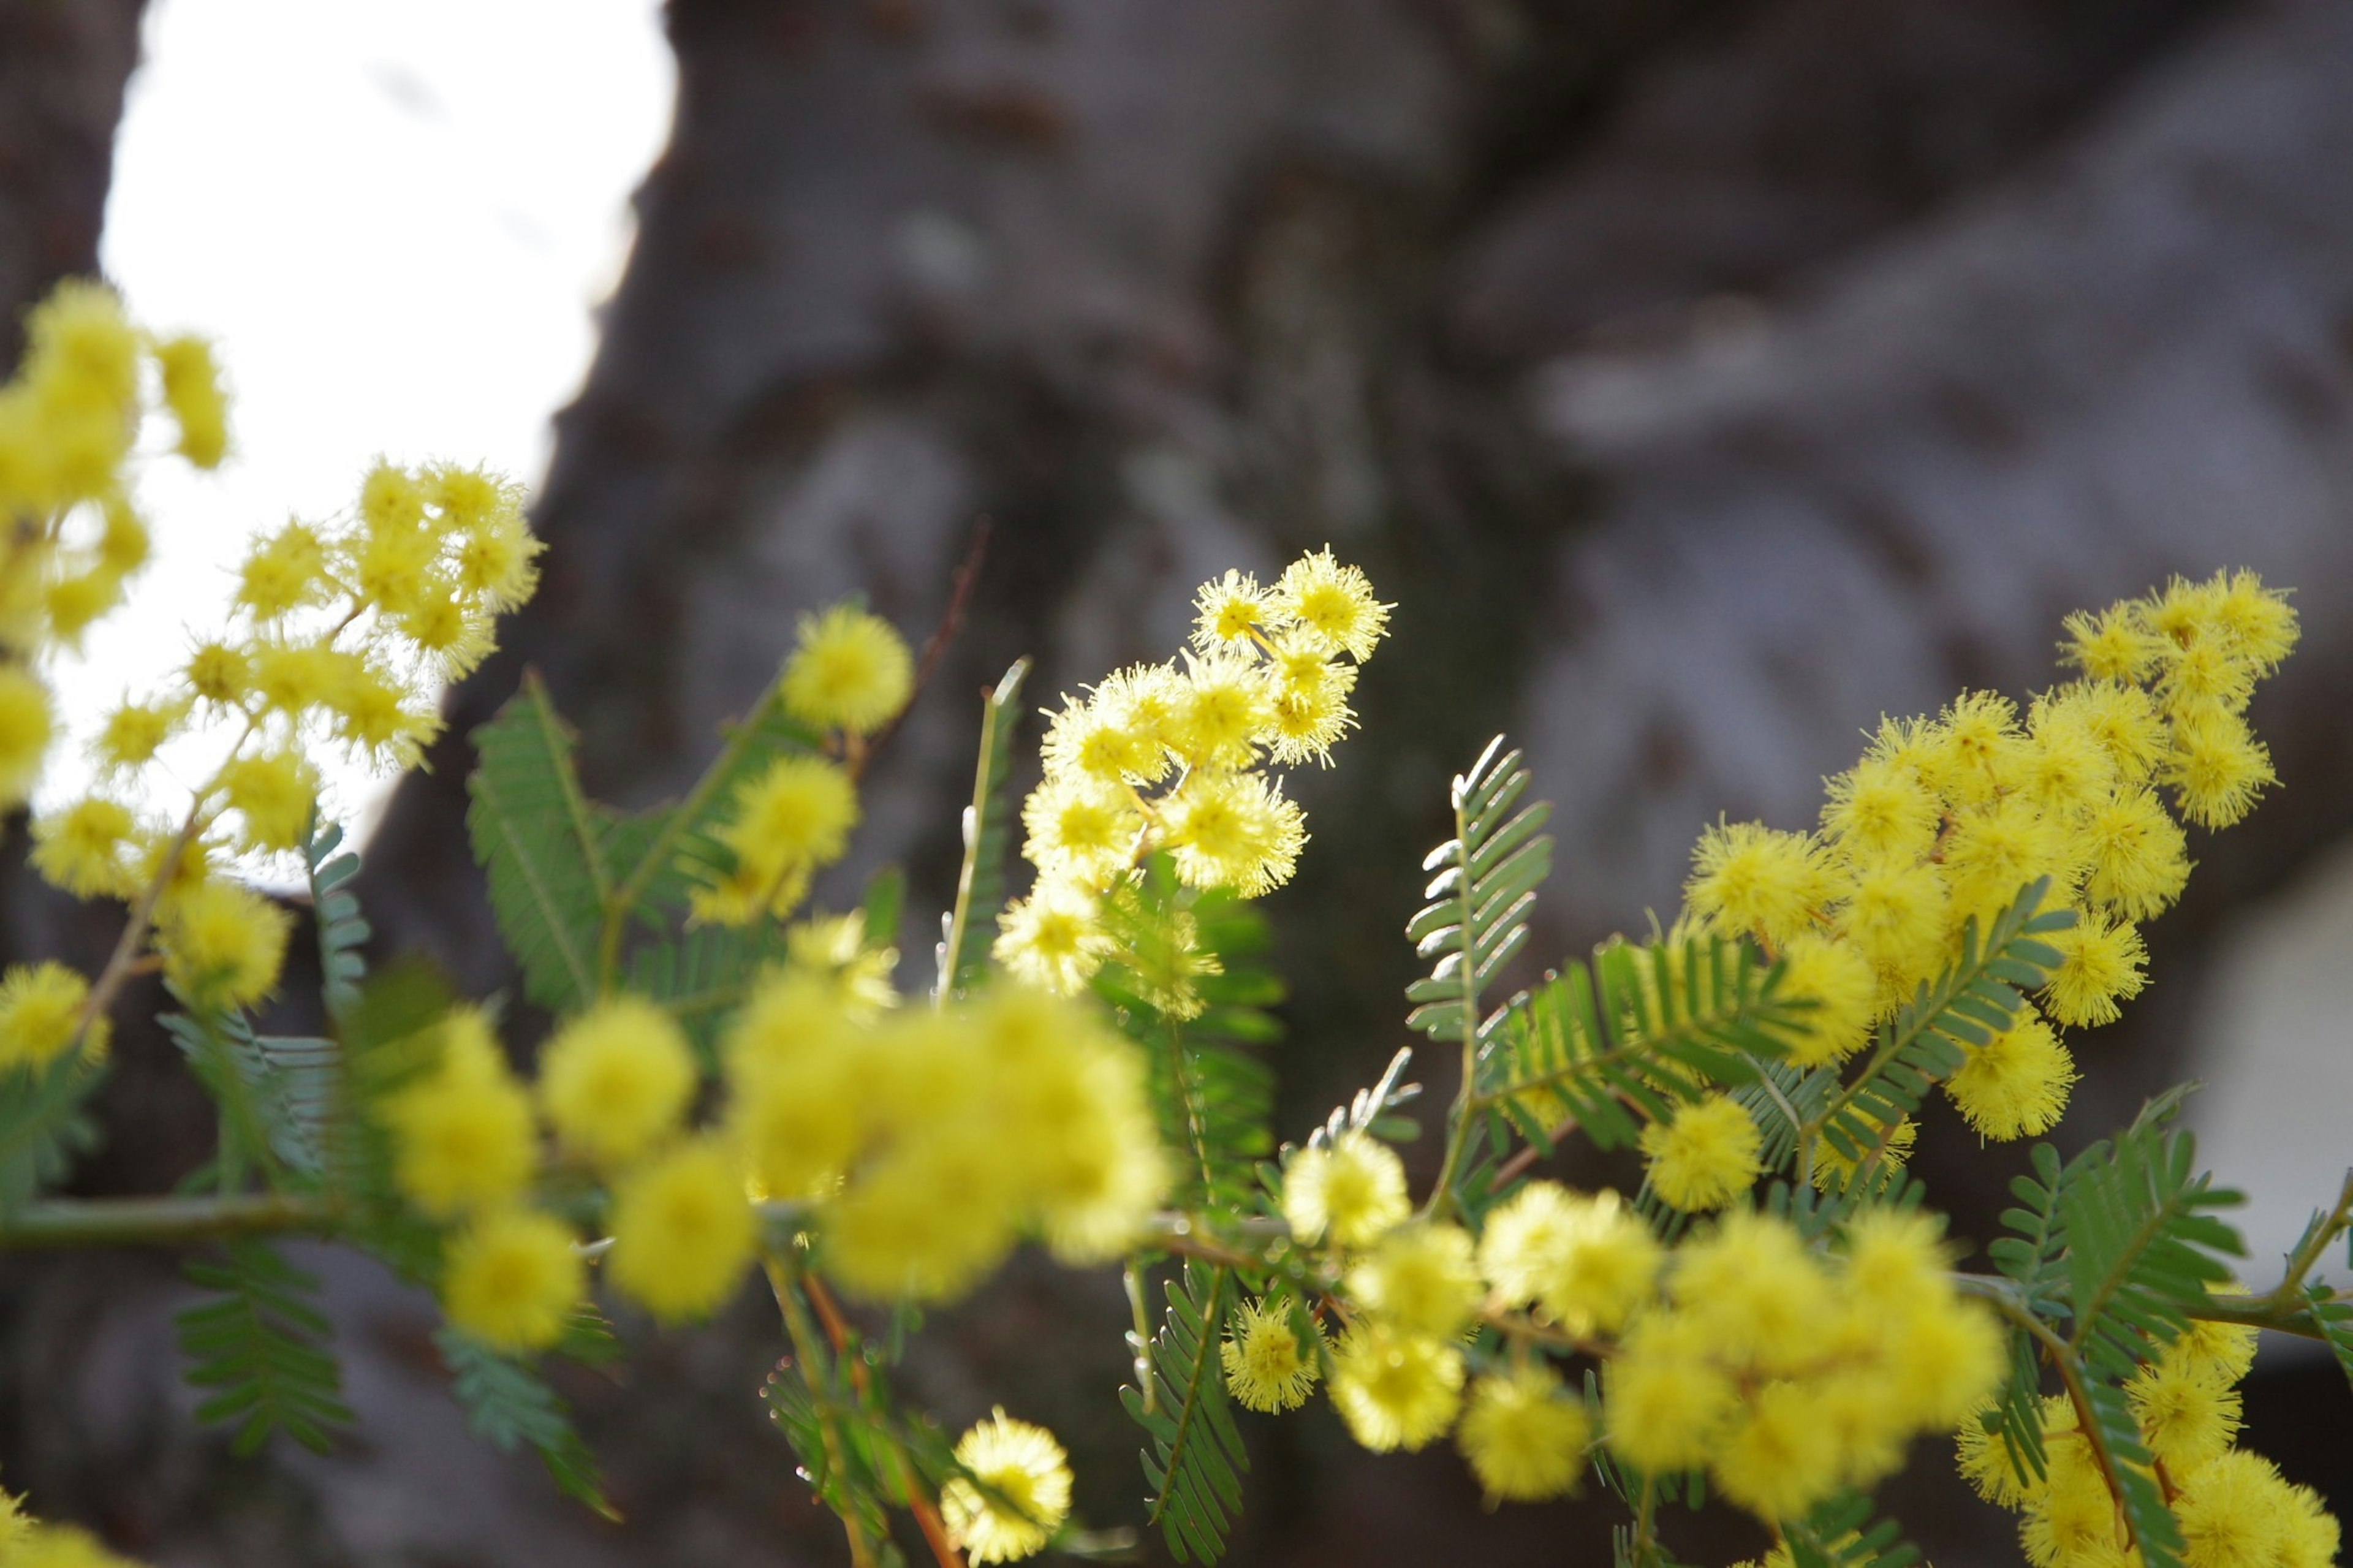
(1213,1101)
(966,930)
(277,1101)
(1646,1027)
(261,1345)
(1840,1533)
(507,1404)
(1476,920)
(2141,1247)
(538,840)
(704,975)
(343,931)
(1195,1450)
(2335,1320)
(42,1126)
(1926,1042)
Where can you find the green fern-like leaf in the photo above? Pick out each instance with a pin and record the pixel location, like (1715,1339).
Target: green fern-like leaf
(1476,920)
(343,931)
(42,1126)
(2142,1245)
(509,1405)
(261,1345)
(1980,996)
(1611,1046)
(1213,1100)
(966,930)
(274,1108)
(538,841)
(1195,1450)
(2335,1317)
(1841,1533)
(703,975)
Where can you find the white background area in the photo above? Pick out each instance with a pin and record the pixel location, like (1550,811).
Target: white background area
(395,220)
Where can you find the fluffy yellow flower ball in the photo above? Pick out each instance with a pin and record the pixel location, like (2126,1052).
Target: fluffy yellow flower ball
(851,672)
(615,1079)
(512,1280)
(683,1231)
(223,944)
(1028,1478)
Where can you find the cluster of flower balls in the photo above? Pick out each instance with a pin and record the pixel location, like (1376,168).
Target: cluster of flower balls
(2233,1505)
(1170,757)
(1944,821)
(913,1146)
(342,634)
(1784,1371)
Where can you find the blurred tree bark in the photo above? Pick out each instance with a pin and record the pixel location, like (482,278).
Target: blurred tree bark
(1702,380)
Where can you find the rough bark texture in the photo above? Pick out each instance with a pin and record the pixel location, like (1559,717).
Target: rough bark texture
(1702,381)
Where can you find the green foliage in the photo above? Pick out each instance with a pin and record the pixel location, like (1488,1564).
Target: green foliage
(272,1119)
(1980,996)
(1181,1403)
(43,1126)
(539,842)
(1213,1098)
(1641,1029)
(963,955)
(2335,1318)
(509,1405)
(335,909)
(1841,1533)
(1476,920)
(2117,1247)
(261,1346)
(704,975)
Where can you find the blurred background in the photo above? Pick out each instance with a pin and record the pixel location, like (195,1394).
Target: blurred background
(1703,378)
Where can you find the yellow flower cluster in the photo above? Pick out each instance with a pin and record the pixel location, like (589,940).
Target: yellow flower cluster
(1163,757)
(2233,1506)
(1027,1478)
(1944,821)
(849,676)
(928,1141)
(1788,1374)
(1576,1264)
(922,1144)
(340,634)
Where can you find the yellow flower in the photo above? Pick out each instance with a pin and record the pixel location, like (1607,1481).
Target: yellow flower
(86,850)
(1420,1278)
(1028,1479)
(1705,1156)
(1666,1405)
(851,671)
(1228,610)
(1054,938)
(26,723)
(1233,830)
(1753,1295)
(284,572)
(1841,984)
(1523,1436)
(1895,916)
(615,1079)
(192,390)
(463,1136)
(683,1231)
(2112,643)
(1352,1188)
(2217,767)
(1781,1458)
(1587,1261)
(2015,1085)
(1396,1389)
(1120,735)
(274,794)
(1971,752)
(2236,1510)
(1333,602)
(1749,877)
(512,1279)
(223,944)
(1079,829)
(135,731)
(2139,859)
(1833,1170)
(2101,963)
(1310,701)
(1267,1369)
(1878,809)
(220,673)
(2186,1415)
(1221,712)
(793,819)
(40,1009)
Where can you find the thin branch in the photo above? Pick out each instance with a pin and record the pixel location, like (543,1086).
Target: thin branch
(951,627)
(61,1223)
